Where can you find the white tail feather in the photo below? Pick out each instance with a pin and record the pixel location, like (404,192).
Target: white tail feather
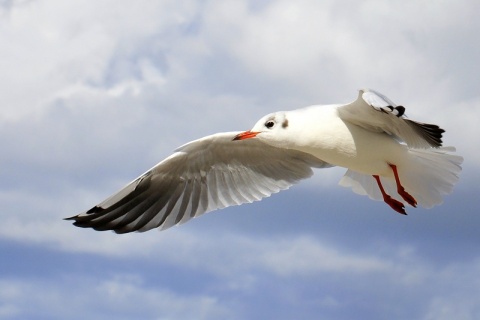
(427,176)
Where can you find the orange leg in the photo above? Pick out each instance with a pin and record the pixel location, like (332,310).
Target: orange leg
(394,204)
(401,191)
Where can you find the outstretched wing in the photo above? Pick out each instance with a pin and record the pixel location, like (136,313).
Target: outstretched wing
(204,175)
(373,111)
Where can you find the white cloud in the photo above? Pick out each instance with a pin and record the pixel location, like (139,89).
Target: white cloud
(96,92)
(236,253)
(51,47)
(121,296)
(187,246)
(115,85)
(303,256)
(460,296)
(239,268)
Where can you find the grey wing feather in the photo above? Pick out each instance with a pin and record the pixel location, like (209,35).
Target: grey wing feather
(373,111)
(204,175)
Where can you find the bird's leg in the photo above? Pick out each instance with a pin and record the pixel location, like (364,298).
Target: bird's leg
(394,204)
(401,190)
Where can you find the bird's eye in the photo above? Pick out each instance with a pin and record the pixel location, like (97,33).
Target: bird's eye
(269,124)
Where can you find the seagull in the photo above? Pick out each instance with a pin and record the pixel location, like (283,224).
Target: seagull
(387,156)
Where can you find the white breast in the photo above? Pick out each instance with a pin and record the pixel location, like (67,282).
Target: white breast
(323,134)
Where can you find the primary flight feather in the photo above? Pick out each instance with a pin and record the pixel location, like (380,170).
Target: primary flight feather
(388,157)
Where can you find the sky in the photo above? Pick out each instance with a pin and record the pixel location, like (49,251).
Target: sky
(96,92)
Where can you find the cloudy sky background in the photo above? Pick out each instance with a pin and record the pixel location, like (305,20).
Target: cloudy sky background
(96,92)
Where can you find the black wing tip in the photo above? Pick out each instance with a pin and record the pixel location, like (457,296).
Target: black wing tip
(81,223)
(95,209)
(398,111)
(86,221)
(88,215)
(431,133)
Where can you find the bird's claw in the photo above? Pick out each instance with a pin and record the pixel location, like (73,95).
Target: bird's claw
(395,205)
(407,197)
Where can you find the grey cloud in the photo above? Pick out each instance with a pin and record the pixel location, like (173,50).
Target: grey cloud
(105,92)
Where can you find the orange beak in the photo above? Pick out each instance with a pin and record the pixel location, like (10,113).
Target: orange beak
(245,135)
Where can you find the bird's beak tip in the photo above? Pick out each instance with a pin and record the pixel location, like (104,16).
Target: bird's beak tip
(245,135)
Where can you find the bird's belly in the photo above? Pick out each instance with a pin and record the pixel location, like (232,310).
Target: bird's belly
(358,149)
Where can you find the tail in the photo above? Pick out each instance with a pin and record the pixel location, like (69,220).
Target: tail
(427,176)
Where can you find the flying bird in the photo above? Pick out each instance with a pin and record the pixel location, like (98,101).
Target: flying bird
(388,156)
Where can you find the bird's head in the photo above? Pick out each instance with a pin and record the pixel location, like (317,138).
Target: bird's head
(272,129)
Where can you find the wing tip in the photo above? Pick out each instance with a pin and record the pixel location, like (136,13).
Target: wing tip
(430,133)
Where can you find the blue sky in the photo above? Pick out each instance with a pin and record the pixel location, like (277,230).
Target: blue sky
(96,92)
